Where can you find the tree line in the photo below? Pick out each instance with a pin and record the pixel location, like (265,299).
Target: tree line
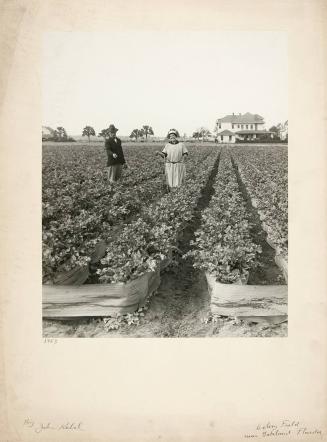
(60,134)
(145,130)
(202,132)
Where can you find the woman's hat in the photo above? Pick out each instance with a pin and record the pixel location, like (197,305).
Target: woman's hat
(173,131)
(112,128)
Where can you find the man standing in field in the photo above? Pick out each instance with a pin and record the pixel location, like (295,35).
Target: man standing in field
(116,159)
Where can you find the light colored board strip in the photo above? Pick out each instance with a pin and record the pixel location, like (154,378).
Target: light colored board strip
(283,265)
(71,292)
(98,299)
(273,310)
(276,319)
(57,300)
(236,292)
(247,300)
(88,310)
(243,302)
(247,293)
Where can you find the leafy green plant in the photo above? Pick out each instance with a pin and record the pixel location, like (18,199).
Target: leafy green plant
(264,173)
(223,246)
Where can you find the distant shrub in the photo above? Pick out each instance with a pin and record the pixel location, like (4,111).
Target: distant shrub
(260,141)
(59,140)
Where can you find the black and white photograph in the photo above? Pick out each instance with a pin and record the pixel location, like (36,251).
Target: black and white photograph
(165,184)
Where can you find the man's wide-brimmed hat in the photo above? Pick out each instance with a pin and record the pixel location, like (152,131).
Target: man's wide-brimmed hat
(112,128)
(172,131)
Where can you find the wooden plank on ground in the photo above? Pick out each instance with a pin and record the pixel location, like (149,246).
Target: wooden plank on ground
(249,310)
(274,320)
(238,293)
(249,301)
(60,301)
(87,310)
(283,265)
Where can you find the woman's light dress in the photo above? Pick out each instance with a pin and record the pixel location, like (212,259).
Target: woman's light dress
(175,166)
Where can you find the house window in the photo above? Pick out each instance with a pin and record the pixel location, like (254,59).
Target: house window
(242,126)
(247,126)
(251,126)
(219,126)
(238,126)
(232,126)
(230,138)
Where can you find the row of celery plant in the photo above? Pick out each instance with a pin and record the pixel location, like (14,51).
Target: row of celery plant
(141,245)
(264,174)
(69,241)
(223,246)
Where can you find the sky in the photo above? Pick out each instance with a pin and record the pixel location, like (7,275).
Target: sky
(165,79)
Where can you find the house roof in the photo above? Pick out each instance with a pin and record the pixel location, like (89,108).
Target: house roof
(256,132)
(226,132)
(242,118)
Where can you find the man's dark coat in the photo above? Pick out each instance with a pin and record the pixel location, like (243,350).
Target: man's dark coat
(114,146)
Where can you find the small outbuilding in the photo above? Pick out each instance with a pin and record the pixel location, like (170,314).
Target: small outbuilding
(226,136)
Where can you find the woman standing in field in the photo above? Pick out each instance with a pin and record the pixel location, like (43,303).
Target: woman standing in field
(174,152)
(115,154)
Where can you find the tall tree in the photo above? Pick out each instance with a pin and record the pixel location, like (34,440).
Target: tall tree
(275,130)
(216,129)
(104,133)
(136,133)
(147,131)
(196,135)
(60,134)
(203,132)
(88,131)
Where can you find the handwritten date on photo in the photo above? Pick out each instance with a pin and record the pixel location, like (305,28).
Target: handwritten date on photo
(286,428)
(39,427)
(50,341)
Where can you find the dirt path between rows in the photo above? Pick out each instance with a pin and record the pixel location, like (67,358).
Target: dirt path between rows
(181,306)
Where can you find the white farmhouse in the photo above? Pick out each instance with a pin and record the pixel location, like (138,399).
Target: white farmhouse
(235,127)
